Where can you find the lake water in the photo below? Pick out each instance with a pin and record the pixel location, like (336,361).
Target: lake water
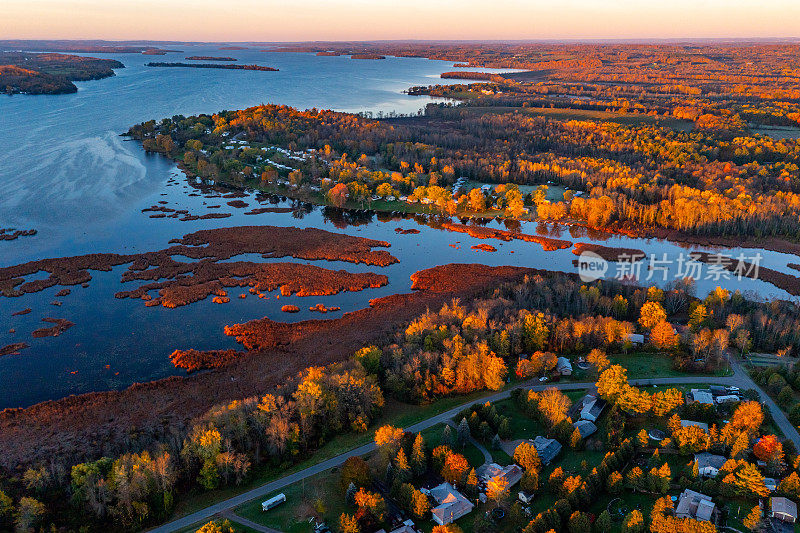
(65,171)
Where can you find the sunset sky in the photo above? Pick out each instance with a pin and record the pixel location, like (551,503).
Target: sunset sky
(294,20)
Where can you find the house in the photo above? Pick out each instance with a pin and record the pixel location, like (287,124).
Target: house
(702,396)
(592,407)
(452,505)
(511,473)
(692,504)
(563,366)
(585,428)
(783,509)
(406,527)
(701,425)
(708,464)
(547,449)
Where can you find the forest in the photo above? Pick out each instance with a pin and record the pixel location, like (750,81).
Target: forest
(50,73)
(647,140)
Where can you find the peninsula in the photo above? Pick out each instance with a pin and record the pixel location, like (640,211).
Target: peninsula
(31,73)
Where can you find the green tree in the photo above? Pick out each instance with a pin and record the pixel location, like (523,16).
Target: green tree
(579,523)
(603,523)
(29,513)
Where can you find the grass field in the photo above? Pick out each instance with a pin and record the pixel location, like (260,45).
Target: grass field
(319,496)
(642,365)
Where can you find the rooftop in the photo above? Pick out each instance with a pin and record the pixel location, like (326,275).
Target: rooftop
(695,505)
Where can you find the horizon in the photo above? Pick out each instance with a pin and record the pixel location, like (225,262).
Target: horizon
(359,21)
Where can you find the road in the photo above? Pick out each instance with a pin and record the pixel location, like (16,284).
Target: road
(738,379)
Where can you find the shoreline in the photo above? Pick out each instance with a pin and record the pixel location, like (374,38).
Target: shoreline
(103,417)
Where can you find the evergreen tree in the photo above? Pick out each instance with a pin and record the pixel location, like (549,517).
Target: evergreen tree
(463,432)
(350,495)
(448,437)
(419,458)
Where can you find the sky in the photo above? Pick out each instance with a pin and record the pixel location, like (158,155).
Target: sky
(302,20)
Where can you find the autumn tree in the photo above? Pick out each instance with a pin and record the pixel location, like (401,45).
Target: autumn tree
(612,383)
(769,449)
(419,458)
(753,519)
(388,439)
(663,337)
(455,468)
(651,314)
(599,359)
(338,195)
(633,522)
(553,406)
(497,489)
(526,456)
(349,524)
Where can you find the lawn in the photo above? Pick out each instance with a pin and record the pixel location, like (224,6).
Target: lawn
(643,365)
(318,496)
(433,437)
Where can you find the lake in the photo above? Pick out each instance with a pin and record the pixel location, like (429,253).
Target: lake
(65,171)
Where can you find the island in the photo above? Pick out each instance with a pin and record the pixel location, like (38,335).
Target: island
(210,65)
(50,73)
(210,58)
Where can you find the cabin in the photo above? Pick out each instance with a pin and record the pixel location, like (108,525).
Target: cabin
(273,502)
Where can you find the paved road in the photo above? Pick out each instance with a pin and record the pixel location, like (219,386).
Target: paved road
(738,379)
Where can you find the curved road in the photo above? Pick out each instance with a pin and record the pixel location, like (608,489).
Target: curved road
(738,379)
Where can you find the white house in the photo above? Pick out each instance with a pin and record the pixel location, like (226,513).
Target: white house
(783,509)
(563,366)
(708,464)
